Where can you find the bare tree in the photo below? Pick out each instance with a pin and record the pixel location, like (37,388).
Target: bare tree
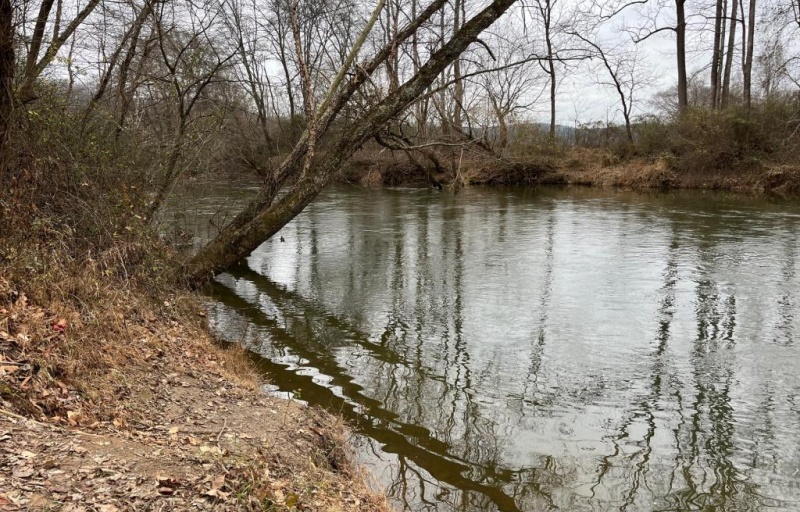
(747,64)
(680,44)
(261,219)
(6,78)
(192,62)
(545,10)
(36,61)
(129,40)
(251,71)
(279,36)
(510,85)
(726,80)
(642,33)
(626,76)
(771,66)
(716,54)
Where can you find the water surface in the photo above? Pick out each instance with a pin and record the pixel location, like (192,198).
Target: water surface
(540,350)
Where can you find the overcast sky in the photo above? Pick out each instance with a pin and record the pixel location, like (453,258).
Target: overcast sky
(580,98)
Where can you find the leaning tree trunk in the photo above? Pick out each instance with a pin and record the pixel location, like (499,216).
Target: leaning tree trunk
(237,241)
(6,79)
(295,159)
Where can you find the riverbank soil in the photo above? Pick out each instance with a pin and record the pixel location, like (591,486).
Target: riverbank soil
(129,405)
(568,166)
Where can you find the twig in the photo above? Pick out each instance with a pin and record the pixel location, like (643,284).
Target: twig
(48,425)
(457,177)
(225,424)
(13,415)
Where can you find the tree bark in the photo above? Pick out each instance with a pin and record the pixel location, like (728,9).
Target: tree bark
(38,35)
(6,80)
(546,10)
(458,86)
(680,36)
(748,60)
(132,34)
(726,80)
(716,57)
(234,243)
(34,66)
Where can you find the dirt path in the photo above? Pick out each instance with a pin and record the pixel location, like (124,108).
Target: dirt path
(182,425)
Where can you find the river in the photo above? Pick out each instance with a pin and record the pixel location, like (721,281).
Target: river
(530,350)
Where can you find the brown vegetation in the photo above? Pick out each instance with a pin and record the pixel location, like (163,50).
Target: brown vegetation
(748,151)
(113,396)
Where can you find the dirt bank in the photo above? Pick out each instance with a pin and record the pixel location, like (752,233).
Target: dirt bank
(574,166)
(147,413)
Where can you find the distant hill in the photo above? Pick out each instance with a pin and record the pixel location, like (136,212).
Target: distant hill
(518,132)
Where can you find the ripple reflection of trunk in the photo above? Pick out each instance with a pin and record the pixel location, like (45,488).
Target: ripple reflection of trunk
(299,333)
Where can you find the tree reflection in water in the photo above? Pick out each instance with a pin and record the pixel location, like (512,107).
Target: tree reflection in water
(492,346)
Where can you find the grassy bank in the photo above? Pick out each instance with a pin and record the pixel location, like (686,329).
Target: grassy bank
(753,151)
(113,395)
(579,167)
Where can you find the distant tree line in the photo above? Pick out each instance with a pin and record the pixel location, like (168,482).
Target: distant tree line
(147,90)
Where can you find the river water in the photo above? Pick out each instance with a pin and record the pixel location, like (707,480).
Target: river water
(549,349)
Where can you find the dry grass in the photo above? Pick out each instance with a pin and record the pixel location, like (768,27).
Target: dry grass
(601,168)
(97,334)
(381,167)
(580,166)
(105,357)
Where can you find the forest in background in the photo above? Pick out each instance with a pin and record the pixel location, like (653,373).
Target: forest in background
(211,84)
(116,102)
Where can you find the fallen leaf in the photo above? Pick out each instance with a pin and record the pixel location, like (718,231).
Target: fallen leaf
(8,370)
(61,325)
(216,493)
(218,482)
(291,500)
(210,449)
(37,501)
(23,473)
(74,417)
